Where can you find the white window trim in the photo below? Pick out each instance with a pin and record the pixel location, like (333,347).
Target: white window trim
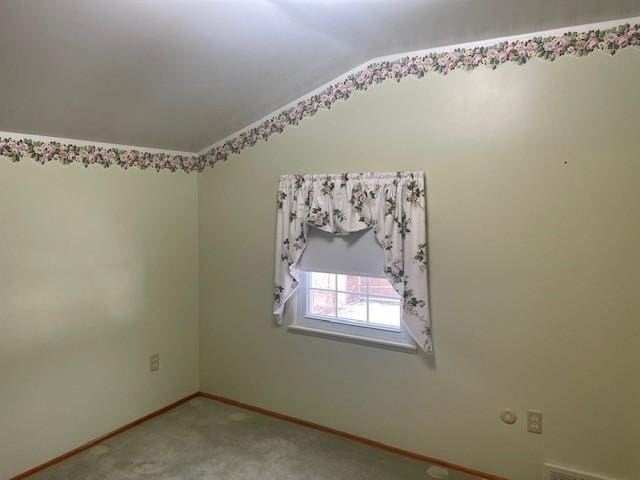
(331,328)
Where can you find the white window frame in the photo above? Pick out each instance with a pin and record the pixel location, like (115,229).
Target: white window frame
(343,329)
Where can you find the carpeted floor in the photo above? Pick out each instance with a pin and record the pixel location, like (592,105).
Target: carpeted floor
(205,439)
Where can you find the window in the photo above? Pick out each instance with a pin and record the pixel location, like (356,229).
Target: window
(356,308)
(370,225)
(345,294)
(364,301)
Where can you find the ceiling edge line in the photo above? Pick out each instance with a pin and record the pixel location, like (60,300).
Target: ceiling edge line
(423,52)
(610,37)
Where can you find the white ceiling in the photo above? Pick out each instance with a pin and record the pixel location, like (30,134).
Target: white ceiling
(182,74)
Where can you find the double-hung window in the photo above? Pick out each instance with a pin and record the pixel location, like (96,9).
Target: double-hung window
(352,299)
(344,293)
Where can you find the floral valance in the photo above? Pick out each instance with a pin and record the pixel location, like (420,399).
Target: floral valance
(392,204)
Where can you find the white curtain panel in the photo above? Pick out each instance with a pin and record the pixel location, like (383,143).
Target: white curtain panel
(392,204)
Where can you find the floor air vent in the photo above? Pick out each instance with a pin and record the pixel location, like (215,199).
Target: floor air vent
(553,472)
(563,476)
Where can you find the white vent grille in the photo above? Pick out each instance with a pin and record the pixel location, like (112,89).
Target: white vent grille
(553,475)
(553,472)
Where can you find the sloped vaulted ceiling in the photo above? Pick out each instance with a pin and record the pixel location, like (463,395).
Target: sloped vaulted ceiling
(183,74)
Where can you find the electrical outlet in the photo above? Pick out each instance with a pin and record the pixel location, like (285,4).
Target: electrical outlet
(154,362)
(534,421)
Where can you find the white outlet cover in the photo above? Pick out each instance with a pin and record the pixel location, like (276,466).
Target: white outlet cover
(534,421)
(154,362)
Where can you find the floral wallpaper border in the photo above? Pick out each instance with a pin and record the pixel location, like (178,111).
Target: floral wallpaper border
(520,52)
(66,153)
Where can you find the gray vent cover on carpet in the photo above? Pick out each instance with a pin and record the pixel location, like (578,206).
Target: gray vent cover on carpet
(553,472)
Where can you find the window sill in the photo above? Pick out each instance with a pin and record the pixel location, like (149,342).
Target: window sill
(345,337)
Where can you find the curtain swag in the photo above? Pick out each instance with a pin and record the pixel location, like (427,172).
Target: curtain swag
(393,204)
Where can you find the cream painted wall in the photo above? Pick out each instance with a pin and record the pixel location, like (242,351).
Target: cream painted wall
(98,270)
(533,183)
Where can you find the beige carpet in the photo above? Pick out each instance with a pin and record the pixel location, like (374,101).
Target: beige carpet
(205,439)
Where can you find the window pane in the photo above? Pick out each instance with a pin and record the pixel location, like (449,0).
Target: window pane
(322,303)
(323,280)
(384,311)
(381,286)
(370,301)
(352,283)
(352,306)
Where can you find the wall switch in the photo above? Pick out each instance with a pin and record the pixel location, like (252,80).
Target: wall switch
(534,421)
(154,362)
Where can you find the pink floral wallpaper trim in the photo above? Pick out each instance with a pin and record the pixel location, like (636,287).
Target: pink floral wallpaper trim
(520,52)
(48,151)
